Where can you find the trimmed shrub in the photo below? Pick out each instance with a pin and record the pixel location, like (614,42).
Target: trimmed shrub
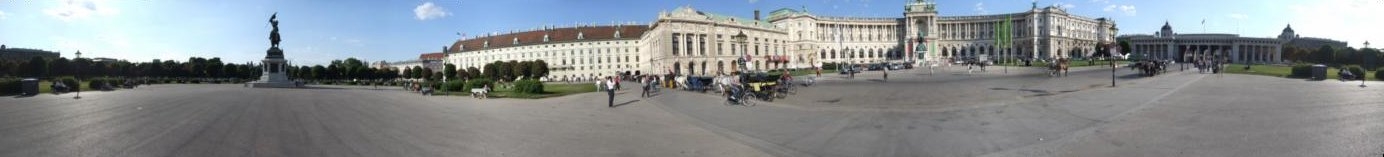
(478,83)
(1379,74)
(96,83)
(529,86)
(1301,71)
(454,86)
(10,86)
(1354,69)
(72,83)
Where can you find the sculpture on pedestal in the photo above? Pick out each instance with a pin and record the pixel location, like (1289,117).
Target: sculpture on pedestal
(273,64)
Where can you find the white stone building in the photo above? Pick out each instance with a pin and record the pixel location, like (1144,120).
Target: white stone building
(1169,45)
(690,42)
(573,53)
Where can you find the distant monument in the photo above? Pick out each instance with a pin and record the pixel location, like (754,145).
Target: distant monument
(274,64)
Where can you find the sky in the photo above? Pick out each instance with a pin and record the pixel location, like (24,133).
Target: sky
(318,31)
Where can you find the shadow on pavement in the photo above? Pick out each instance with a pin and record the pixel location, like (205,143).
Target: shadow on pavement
(625,103)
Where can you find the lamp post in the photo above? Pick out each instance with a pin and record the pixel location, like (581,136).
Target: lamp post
(1111,58)
(1363,73)
(78,77)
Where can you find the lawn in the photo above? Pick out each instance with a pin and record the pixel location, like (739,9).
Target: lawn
(46,86)
(1283,71)
(549,90)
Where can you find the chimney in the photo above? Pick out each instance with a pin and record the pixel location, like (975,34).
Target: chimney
(756,14)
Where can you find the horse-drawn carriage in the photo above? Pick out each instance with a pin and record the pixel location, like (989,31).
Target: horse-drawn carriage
(1058,68)
(762,85)
(1150,67)
(699,83)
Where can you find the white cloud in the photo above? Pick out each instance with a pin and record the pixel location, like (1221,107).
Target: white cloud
(1127,10)
(428,11)
(68,10)
(754,1)
(2,14)
(980,8)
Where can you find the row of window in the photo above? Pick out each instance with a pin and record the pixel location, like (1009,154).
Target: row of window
(695,44)
(830,32)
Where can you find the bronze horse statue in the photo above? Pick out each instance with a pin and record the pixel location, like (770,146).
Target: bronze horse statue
(274,34)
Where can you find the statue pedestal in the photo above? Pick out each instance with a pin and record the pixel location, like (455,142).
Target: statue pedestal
(275,72)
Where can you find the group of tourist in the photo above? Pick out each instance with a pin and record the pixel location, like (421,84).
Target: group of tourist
(1208,65)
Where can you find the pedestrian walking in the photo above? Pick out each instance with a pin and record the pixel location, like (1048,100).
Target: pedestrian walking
(610,91)
(645,81)
(819,71)
(886,74)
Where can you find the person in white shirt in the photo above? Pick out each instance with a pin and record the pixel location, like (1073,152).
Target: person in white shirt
(610,90)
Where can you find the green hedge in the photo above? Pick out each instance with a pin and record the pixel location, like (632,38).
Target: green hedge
(529,86)
(1301,71)
(454,86)
(478,83)
(72,84)
(1379,74)
(10,86)
(1355,69)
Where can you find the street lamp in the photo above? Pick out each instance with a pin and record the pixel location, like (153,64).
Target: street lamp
(78,76)
(1363,74)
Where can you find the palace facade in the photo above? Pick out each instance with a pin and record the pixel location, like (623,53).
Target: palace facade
(691,42)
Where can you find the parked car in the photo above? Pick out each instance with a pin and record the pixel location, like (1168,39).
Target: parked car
(848,70)
(875,67)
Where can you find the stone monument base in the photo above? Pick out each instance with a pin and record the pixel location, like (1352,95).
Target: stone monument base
(258,84)
(275,72)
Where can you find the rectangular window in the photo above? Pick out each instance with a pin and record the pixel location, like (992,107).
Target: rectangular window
(702,45)
(675,44)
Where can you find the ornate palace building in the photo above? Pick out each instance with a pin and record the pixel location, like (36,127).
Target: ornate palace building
(691,42)
(1166,44)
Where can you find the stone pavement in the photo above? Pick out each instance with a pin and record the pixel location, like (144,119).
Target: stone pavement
(1178,114)
(1022,113)
(229,120)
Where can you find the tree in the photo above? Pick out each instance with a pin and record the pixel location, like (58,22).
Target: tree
(418,72)
(38,67)
(60,67)
(514,70)
(1323,55)
(318,72)
(462,74)
(436,76)
(491,70)
(473,72)
(214,67)
(539,68)
(522,70)
(1124,48)
(449,71)
(1346,56)
(1370,58)
(426,74)
(353,68)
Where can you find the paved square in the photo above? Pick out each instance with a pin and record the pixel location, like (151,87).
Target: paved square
(946,113)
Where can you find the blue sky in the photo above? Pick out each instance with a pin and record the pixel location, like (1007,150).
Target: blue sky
(317,31)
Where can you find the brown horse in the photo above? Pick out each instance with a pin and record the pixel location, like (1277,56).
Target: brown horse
(1059,67)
